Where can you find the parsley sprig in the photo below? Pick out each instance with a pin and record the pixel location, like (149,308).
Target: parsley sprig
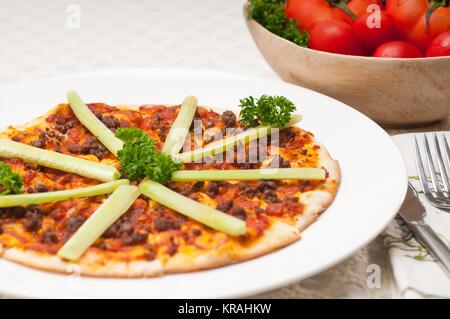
(10,182)
(270,14)
(273,111)
(140,158)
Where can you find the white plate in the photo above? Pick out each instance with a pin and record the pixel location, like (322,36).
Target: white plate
(372,190)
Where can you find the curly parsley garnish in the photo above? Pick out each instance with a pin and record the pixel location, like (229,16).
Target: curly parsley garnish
(140,158)
(270,14)
(272,111)
(10,182)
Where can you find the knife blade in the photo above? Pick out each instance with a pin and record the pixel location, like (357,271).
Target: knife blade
(413,213)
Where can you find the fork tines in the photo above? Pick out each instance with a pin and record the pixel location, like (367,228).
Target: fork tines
(440,197)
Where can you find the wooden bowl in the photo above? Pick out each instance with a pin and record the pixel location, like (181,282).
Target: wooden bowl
(393,92)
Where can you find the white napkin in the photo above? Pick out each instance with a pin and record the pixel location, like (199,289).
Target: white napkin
(416,273)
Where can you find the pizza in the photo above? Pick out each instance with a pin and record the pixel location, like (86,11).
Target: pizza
(150,239)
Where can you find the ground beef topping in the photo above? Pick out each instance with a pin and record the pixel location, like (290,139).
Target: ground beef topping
(111,122)
(16,212)
(238,211)
(225,205)
(229,119)
(33,221)
(73,223)
(134,238)
(165,220)
(214,188)
(49,237)
(41,188)
(91,146)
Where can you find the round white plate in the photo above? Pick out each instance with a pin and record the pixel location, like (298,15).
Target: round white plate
(372,190)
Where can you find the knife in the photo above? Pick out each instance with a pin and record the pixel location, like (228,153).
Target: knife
(413,213)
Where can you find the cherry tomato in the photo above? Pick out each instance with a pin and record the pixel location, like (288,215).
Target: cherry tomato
(440,46)
(359,7)
(398,49)
(373,29)
(411,19)
(335,37)
(310,12)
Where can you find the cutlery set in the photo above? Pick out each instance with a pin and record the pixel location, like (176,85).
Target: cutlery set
(438,195)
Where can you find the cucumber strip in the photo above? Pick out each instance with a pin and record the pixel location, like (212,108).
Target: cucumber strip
(93,124)
(62,162)
(227,142)
(111,210)
(39,198)
(249,174)
(180,127)
(200,212)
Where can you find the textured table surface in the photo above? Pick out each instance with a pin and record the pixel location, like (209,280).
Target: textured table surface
(45,37)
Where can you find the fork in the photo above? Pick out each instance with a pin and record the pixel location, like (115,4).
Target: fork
(440,197)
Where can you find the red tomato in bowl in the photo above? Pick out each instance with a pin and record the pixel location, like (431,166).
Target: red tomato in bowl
(398,49)
(310,12)
(411,19)
(439,46)
(335,37)
(373,29)
(360,7)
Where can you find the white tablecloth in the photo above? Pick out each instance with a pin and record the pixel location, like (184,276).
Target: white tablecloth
(46,37)
(415,270)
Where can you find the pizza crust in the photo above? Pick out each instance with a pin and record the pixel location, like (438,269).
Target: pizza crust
(88,265)
(4,132)
(317,201)
(279,235)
